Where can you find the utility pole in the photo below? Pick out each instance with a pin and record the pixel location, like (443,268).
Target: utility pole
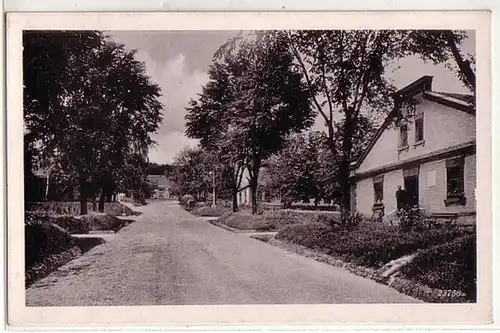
(213,189)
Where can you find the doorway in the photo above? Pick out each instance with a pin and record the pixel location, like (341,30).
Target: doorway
(411,187)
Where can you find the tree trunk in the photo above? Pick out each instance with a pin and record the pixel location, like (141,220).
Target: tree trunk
(101,202)
(94,202)
(344,167)
(254,179)
(235,199)
(463,65)
(83,197)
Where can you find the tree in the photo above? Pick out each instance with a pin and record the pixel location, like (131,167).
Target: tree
(193,173)
(270,99)
(209,120)
(100,108)
(304,169)
(345,74)
(443,46)
(159,169)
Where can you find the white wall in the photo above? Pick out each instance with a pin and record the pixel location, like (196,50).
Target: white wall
(443,127)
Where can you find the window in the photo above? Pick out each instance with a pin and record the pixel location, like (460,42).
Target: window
(378,189)
(403,136)
(455,181)
(419,128)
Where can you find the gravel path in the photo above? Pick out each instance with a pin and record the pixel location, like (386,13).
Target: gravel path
(170,257)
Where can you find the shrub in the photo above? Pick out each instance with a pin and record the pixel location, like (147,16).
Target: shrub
(365,246)
(303,216)
(104,222)
(208,211)
(346,221)
(449,266)
(44,239)
(117,209)
(187,201)
(245,221)
(73,208)
(411,218)
(224,217)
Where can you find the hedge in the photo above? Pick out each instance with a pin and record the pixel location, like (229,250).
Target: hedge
(208,211)
(450,266)
(366,246)
(44,239)
(73,208)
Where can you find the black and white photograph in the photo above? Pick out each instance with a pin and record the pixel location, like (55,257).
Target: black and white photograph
(249,167)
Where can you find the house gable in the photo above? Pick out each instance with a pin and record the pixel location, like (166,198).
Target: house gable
(447,121)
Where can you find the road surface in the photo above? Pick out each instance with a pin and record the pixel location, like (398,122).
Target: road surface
(169,257)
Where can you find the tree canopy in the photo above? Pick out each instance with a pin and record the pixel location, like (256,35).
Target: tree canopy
(254,99)
(90,107)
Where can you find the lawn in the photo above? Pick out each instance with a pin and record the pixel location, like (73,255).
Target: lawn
(273,220)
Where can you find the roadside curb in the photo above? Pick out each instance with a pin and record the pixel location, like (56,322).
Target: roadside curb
(402,285)
(223,226)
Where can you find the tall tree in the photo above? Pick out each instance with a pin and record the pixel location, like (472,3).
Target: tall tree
(345,74)
(209,120)
(99,109)
(270,100)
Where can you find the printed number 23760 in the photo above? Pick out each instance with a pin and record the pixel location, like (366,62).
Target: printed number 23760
(451,293)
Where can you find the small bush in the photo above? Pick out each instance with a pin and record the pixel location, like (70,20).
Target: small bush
(208,211)
(104,222)
(244,221)
(187,201)
(224,217)
(347,221)
(449,266)
(411,218)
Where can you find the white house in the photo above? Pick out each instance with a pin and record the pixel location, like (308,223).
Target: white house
(244,196)
(431,154)
(162,190)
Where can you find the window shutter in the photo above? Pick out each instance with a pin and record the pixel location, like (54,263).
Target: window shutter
(411,172)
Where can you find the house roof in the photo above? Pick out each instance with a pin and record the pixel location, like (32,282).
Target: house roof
(159,180)
(467,98)
(461,102)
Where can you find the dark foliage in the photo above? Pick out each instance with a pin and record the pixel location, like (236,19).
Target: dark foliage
(450,266)
(43,239)
(208,211)
(366,245)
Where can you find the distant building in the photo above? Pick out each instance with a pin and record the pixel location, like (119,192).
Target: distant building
(244,196)
(431,154)
(162,184)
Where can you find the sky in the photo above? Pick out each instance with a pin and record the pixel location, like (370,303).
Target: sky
(178,61)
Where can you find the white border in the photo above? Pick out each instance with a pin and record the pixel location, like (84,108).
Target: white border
(246,314)
(244,5)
